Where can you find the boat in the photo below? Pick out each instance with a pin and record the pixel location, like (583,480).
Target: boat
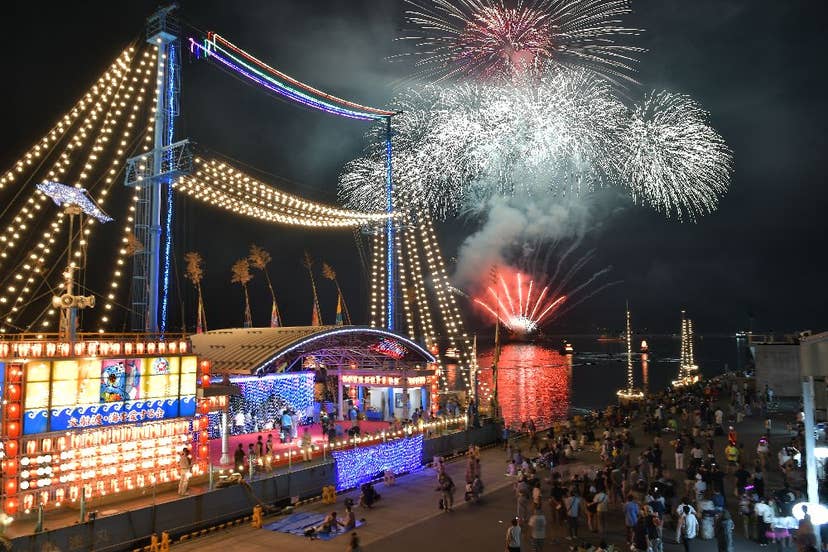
(644,347)
(605,338)
(566,348)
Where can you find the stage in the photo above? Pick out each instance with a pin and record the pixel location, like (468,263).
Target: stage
(280,450)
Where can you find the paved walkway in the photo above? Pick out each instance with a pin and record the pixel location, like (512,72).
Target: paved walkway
(407,517)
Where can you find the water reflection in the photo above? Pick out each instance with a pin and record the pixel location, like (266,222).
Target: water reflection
(645,371)
(533,382)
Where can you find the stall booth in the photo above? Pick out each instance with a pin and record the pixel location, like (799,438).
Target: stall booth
(379,374)
(94,419)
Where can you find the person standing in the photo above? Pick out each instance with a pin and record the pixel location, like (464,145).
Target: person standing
(630,517)
(601,501)
(688,528)
(679,448)
(238,458)
(573,510)
(538,525)
(724,532)
(287,426)
(513,536)
(185,464)
(640,541)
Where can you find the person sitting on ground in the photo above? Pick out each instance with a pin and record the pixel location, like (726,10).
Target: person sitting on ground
(349,519)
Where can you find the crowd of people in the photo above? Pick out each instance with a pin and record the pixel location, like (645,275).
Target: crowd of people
(707,487)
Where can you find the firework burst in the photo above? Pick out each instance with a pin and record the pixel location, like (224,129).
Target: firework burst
(559,133)
(496,38)
(515,306)
(674,160)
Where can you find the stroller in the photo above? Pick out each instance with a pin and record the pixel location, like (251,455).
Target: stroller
(474,490)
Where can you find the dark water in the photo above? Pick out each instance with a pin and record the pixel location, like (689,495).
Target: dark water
(535,380)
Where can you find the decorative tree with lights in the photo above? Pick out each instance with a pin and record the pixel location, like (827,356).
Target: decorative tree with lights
(259,259)
(241,275)
(316,317)
(341,308)
(195,273)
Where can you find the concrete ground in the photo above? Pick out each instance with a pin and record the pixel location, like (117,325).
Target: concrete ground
(407,517)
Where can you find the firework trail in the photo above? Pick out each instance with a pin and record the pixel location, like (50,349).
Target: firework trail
(502,38)
(563,133)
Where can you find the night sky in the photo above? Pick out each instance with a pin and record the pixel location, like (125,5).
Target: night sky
(756,65)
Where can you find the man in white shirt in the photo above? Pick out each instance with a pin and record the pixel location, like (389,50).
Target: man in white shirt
(719,416)
(688,528)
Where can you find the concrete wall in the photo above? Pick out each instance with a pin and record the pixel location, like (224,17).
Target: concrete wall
(778,366)
(130,530)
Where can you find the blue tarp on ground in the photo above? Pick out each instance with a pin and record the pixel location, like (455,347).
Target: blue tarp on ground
(297,524)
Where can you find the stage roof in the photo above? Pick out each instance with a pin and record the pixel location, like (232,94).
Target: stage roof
(269,350)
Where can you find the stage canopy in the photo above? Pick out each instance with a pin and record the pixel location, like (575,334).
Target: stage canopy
(260,351)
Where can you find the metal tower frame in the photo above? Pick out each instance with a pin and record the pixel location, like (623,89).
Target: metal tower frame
(150,173)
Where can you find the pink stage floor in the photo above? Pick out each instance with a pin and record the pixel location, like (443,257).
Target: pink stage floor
(281,450)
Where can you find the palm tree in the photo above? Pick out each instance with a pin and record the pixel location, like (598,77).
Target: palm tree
(316,317)
(329,273)
(241,275)
(195,273)
(259,259)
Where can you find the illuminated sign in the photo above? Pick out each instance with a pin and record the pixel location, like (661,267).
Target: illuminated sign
(387,381)
(86,393)
(389,348)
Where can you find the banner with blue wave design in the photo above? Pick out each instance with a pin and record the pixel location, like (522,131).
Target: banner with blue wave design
(106,414)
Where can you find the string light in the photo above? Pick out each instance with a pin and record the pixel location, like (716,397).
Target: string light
(59,130)
(111,292)
(359,465)
(215,38)
(221,185)
(115,115)
(263,399)
(34,202)
(378,280)
(36,258)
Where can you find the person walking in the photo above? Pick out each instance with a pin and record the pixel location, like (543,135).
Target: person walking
(573,510)
(446,488)
(185,464)
(630,517)
(679,448)
(724,532)
(537,523)
(601,501)
(513,536)
(688,528)
(354,546)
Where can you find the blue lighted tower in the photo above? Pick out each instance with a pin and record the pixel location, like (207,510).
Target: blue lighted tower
(152,174)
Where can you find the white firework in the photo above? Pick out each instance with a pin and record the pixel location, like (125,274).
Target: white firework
(564,132)
(674,160)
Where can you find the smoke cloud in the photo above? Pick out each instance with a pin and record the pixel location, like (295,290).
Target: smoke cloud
(514,223)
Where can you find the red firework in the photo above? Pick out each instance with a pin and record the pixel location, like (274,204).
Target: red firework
(504,37)
(521,306)
(498,40)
